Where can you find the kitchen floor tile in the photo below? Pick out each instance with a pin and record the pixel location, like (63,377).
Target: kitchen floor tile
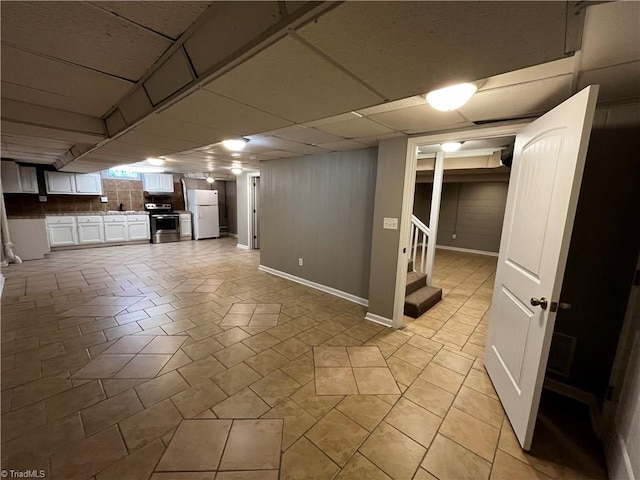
(198,398)
(448,460)
(331,357)
(244,404)
(129,344)
(442,377)
(164,345)
(337,436)
(366,410)
(296,421)
(366,356)
(335,381)
(140,464)
(303,457)
(471,433)
(253,445)
(275,387)
(386,445)
(110,411)
(360,467)
(197,445)
(429,396)
(160,388)
(375,380)
(104,366)
(414,421)
(149,424)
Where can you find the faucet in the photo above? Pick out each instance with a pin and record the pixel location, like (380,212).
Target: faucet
(121,207)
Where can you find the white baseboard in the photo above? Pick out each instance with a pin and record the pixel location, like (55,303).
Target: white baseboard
(317,286)
(372,317)
(1,283)
(467,250)
(581,396)
(243,247)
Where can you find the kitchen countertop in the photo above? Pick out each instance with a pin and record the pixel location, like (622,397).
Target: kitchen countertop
(78,214)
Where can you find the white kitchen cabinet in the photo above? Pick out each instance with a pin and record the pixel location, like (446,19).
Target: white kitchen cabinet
(62,231)
(73,183)
(28,180)
(60,182)
(115,228)
(185,226)
(90,229)
(18,179)
(158,182)
(88,184)
(138,227)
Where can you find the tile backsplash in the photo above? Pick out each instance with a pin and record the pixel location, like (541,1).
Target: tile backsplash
(127,192)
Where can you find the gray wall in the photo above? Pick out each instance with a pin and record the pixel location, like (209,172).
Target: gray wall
(385,246)
(474,211)
(319,208)
(242,208)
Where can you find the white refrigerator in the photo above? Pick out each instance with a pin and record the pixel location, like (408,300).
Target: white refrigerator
(204,206)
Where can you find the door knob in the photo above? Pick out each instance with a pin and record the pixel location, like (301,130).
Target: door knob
(541,302)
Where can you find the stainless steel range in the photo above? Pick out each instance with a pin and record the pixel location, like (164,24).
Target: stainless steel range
(164,222)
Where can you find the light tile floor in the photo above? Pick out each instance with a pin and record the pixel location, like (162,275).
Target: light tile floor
(151,361)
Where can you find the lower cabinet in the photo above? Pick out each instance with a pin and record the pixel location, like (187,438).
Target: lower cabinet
(115,228)
(138,227)
(62,231)
(90,229)
(66,231)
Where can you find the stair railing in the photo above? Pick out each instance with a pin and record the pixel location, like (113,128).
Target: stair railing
(419,238)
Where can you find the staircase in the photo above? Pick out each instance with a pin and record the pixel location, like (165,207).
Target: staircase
(419,297)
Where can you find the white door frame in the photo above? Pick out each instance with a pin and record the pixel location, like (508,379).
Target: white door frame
(413,143)
(250,178)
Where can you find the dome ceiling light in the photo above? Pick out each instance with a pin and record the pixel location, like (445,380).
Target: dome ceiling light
(450,147)
(235,144)
(451,98)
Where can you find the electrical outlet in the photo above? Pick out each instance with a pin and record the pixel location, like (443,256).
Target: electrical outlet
(390,223)
(300,262)
(453,235)
(104,199)
(42,198)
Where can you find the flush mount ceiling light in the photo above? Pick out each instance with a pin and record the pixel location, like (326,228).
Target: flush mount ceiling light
(451,98)
(210,179)
(235,144)
(451,146)
(236,170)
(155,161)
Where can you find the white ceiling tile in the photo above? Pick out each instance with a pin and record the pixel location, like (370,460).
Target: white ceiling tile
(455,126)
(422,117)
(333,119)
(623,115)
(118,146)
(168,18)
(31,157)
(168,78)
(220,113)
(291,81)
(281,144)
(144,138)
(516,101)
(343,145)
(302,134)
(375,139)
(618,82)
(58,84)
(82,34)
(414,101)
(610,35)
(356,127)
(50,133)
(159,124)
(408,48)
(230,27)
(281,154)
(538,72)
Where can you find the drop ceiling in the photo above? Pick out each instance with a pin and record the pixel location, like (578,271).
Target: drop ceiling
(92,85)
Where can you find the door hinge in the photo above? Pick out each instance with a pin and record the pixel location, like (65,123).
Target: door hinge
(610,390)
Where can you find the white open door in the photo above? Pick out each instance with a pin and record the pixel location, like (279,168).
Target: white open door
(548,162)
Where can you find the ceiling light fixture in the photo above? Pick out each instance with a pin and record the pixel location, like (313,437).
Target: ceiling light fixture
(450,147)
(235,144)
(451,98)
(236,170)
(210,179)
(155,161)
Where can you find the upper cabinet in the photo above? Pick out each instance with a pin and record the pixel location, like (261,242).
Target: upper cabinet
(18,178)
(88,184)
(158,182)
(73,183)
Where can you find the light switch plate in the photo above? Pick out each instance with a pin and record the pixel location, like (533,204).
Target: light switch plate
(104,199)
(42,198)
(390,223)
